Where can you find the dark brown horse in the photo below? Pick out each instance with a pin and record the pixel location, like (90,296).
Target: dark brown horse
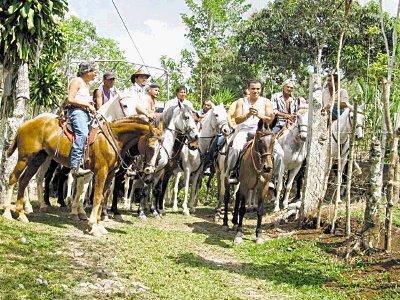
(254,176)
(38,138)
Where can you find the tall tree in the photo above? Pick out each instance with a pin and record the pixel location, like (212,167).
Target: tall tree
(210,27)
(23,28)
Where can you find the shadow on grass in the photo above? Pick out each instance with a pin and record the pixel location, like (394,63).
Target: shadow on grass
(292,272)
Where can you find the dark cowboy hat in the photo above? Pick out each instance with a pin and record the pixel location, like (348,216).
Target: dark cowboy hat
(138,73)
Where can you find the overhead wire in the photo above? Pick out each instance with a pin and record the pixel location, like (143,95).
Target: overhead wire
(130,36)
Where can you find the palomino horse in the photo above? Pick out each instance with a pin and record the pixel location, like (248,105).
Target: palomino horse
(115,108)
(346,124)
(293,142)
(177,120)
(214,122)
(38,138)
(254,177)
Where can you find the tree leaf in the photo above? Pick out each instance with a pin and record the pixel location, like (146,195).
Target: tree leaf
(30,19)
(13,8)
(25,9)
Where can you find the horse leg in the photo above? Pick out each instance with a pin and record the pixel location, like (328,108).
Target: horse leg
(106,188)
(119,177)
(186,174)
(86,186)
(127,199)
(289,183)
(260,212)
(193,193)
(47,179)
(30,170)
(209,180)
(278,190)
(221,195)
(175,192)
(95,215)
(61,182)
(242,203)
(225,225)
(236,211)
(77,199)
(40,175)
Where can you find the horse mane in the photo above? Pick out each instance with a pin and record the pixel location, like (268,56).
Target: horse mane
(169,113)
(131,119)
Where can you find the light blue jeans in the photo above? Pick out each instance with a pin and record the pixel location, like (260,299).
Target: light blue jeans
(80,124)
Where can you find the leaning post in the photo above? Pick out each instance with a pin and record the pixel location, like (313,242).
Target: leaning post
(313,187)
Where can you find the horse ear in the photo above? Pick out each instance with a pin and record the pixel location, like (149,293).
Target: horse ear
(260,125)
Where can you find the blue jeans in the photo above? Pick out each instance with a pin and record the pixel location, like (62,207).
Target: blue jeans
(335,112)
(277,128)
(80,124)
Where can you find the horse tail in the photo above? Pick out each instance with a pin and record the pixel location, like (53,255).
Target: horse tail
(12,147)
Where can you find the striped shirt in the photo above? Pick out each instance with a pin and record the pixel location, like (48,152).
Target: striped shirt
(278,102)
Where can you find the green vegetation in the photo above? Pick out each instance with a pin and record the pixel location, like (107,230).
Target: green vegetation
(176,258)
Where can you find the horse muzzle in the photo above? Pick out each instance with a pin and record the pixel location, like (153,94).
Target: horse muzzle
(149,170)
(226,130)
(267,168)
(193,145)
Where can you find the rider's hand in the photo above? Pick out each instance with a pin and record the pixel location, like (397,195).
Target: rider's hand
(253,111)
(92,109)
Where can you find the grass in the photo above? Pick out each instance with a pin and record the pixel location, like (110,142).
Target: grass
(175,258)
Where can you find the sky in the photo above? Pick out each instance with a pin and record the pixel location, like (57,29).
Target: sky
(155,25)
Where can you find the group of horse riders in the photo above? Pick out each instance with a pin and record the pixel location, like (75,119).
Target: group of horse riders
(243,115)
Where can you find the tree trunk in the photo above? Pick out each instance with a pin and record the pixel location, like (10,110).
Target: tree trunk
(316,151)
(20,111)
(350,169)
(370,231)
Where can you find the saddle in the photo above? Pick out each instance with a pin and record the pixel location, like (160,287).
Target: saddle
(68,132)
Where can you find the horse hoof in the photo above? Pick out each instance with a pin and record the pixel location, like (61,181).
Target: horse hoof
(102,229)
(118,218)
(235,227)
(225,228)
(28,209)
(238,240)
(143,217)
(158,217)
(95,233)
(216,219)
(175,209)
(7,215)
(82,216)
(22,218)
(276,210)
(186,212)
(74,217)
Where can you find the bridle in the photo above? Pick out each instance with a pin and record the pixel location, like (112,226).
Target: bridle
(146,146)
(259,155)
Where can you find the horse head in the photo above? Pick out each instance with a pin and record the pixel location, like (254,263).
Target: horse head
(184,122)
(359,134)
(302,122)
(149,147)
(264,141)
(220,119)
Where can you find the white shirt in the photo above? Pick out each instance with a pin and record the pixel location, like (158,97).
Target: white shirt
(327,98)
(174,102)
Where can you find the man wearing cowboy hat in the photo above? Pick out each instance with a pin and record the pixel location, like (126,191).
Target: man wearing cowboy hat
(138,89)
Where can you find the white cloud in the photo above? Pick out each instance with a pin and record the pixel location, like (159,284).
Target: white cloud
(157,38)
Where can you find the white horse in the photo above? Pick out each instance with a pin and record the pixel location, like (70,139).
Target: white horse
(176,120)
(293,142)
(346,124)
(214,122)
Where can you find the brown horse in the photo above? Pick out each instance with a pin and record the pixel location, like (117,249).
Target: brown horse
(38,138)
(254,175)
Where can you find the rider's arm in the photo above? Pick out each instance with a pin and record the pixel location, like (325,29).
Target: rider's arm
(97,99)
(142,111)
(240,117)
(269,112)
